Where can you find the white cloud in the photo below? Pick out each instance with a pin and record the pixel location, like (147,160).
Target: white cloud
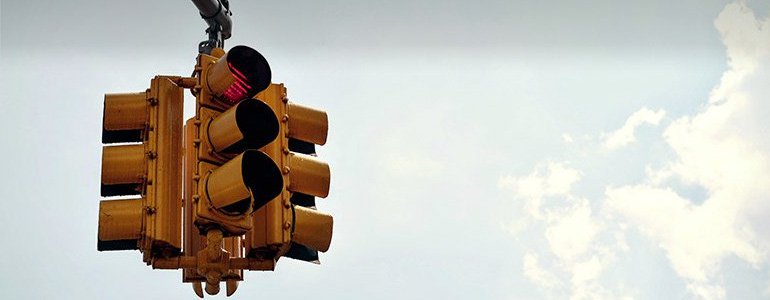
(707,292)
(567,138)
(695,238)
(587,270)
(537,274)
(723,149)
(626,134)
(571,231)
(553,179)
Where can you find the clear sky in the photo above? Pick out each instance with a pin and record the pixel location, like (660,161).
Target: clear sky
(479,150)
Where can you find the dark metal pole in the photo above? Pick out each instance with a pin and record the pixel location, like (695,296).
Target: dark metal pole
(216,13)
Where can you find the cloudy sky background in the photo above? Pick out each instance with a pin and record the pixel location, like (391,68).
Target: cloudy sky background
(489,150)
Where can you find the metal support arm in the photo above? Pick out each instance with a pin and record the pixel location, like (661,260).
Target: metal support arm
(216,13)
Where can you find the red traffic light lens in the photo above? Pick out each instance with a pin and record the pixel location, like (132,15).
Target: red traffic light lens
(250,71)
(240,74)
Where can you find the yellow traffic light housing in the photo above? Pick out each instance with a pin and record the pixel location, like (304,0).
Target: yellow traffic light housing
(146,165)
(239,74)
(232,190)
(283,225)
(234,177)
(120,224)
(312,229)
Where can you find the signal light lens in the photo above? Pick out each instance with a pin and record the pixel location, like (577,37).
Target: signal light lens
(250,175)
(251,124)
(240,74)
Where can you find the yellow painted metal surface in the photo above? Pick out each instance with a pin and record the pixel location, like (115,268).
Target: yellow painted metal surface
(309,175)
(205,96)
(193,240)
(250,124)
(312,228)
(222,131)
(206,151)
(164,189)
(120,220)
(221,186)
(123,164)
(307,124)
(279,223)
(271,233)
(208,216)
(224,186)
(149,169)
(196,207)
(219,77)
(234,246)
(127,111)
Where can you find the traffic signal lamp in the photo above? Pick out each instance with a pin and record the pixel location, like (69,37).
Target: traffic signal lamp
(284,226)
(142,161)
(238,74)
(194,242)
(234,177)
(233,189)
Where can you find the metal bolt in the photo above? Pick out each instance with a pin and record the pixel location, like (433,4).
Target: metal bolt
(286,170)
(151,155)
(286,225)
(285,118)
(153,101)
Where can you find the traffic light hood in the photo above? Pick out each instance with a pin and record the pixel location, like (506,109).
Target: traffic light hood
(240,74)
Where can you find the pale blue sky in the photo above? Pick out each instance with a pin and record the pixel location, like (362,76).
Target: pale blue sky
(468,145)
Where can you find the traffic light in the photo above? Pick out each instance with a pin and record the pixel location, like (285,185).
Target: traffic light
(232,177)
(194,242)
(227,177)
(232,190)
(143,133)
(289,225)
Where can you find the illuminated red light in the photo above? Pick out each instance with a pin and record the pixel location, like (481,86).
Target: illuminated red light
(239,89)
